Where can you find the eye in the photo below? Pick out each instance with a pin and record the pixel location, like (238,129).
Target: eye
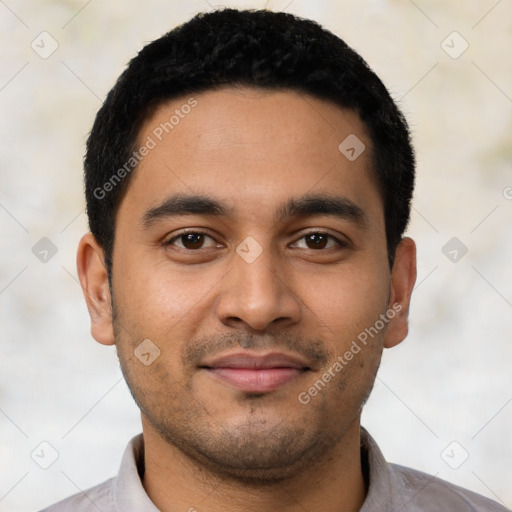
(191,240)
(320,240)
(195,240)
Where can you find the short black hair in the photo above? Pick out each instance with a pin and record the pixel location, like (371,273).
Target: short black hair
(256,48)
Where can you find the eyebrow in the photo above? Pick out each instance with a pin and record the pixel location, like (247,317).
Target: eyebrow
(307,205)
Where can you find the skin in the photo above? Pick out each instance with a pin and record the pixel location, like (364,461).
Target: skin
(207,444)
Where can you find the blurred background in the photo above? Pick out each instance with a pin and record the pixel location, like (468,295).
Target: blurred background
(442,402)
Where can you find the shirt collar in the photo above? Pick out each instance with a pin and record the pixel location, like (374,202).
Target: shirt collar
(384,487)
(129,493)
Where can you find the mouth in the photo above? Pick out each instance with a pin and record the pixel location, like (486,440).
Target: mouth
(254,372)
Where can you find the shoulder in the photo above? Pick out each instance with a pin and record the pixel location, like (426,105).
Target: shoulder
(423,492)
(99,497)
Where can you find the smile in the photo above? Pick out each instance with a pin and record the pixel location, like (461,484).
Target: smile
(256,373)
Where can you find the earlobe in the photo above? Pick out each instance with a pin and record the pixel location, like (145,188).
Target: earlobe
(94,280)
(403,278)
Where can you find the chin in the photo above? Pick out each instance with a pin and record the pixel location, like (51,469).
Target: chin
(258,451)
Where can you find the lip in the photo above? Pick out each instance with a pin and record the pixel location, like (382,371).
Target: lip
(255,372)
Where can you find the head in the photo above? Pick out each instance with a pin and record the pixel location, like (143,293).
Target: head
(248,183)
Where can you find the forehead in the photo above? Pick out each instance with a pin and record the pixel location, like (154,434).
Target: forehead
(252,149)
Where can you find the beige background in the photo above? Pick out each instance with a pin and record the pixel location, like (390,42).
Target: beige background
(451,379)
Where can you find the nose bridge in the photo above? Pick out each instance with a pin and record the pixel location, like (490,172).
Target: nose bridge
(257,277)
(255,293)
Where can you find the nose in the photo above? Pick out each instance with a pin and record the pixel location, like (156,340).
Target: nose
(258,295)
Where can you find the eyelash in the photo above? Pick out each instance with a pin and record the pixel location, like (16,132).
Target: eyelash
(340,243)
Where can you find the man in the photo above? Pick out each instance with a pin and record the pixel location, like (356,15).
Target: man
(248,184)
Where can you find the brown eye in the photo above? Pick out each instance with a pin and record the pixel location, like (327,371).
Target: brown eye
(190,241)
(318,241)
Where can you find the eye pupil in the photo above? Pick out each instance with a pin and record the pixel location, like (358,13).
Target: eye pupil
(194,240)
(318,240)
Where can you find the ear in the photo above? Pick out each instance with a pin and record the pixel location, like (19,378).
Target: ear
(403,277)
(92,272)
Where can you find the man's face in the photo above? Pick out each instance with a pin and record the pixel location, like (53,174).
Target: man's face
(255,303)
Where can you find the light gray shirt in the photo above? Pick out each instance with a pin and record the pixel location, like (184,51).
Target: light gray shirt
(392,488)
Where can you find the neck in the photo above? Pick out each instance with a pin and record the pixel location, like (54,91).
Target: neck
(174,482)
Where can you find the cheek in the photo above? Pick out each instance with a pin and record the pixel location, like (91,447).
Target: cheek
(160,299)
(348,300)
